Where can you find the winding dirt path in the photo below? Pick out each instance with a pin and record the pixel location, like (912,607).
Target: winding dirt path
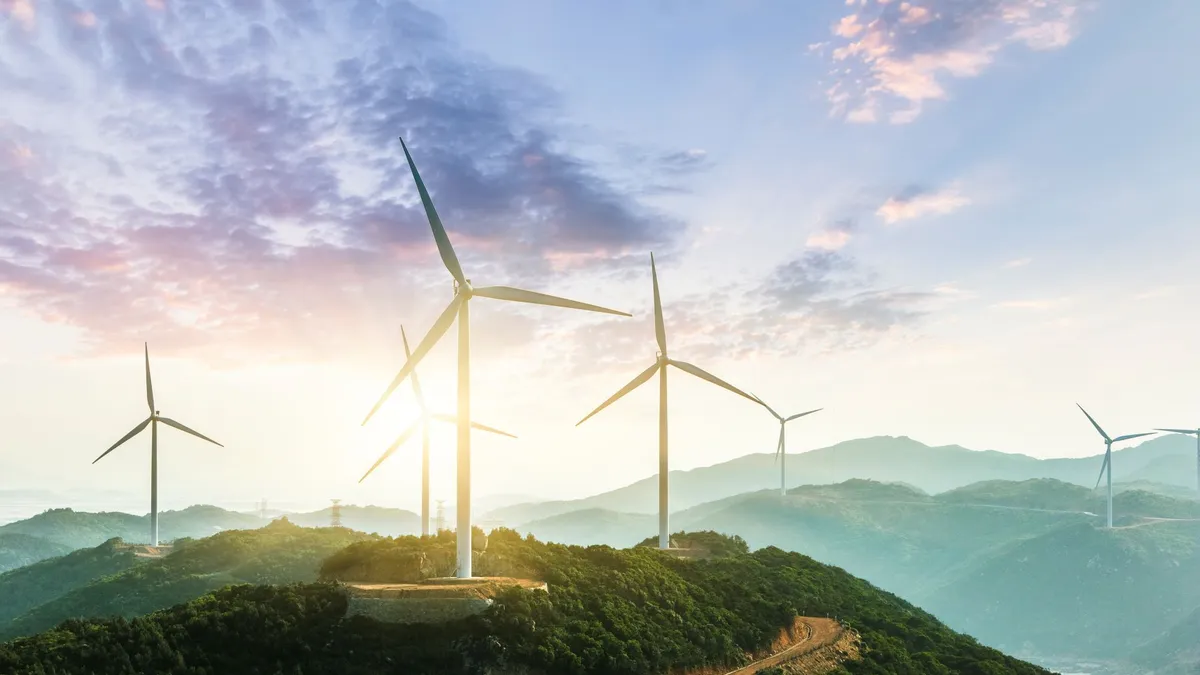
(818,634)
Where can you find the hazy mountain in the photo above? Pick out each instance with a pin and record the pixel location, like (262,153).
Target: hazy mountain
(18,550)
(380,520)
(278,553)
(883,458)
(1078,590)
(77,529)
(1176,652)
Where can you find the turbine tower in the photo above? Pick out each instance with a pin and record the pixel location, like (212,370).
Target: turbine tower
(661,361)
(460,307)
(1190,432)
(780,454)
(1107,466)
(152,421)
(423,423)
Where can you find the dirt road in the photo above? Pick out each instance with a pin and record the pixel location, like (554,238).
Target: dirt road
(818,634)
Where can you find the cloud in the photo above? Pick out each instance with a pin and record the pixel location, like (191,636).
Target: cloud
(1037,304)
(834,236)
(1018,262)
(891,56)
(236,187)
(915,202)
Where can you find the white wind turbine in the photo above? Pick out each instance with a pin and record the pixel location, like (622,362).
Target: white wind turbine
(1190,432)
(460,307)
(1107,466)
(780,452)
(153,421)
(423,422)
(660,366)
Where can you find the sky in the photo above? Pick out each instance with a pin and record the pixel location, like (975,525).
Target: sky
(943,219)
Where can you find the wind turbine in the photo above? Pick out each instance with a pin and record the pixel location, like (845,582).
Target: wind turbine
(1190,432)
(780,454)
(423,423)
(460,307)
(661,361)
(1107,466)
(153,421)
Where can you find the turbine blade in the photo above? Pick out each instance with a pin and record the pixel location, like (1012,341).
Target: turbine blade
(149,386)
(660,330)
(1094,424)
(704,375)
(633,384)
(517,295)
(415,380)
(779,445)
(197,434)
(796,417)
(1103,466)
(764,404)
(1192,432)
(1129,436)
(451,419)
(136,430)
(435,223)
(439,329)
(393,447)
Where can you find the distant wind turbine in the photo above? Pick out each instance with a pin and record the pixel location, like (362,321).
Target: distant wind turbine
(153,421)
(460,307)
(423,423)
(780,452)
(1107,466)
(660,366)
(1190,432)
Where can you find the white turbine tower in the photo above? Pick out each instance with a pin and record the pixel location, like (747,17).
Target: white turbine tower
(423,422)
(1190,432)
(460,307)
(1107,466)
(153,421)
(780,451)
(660,366)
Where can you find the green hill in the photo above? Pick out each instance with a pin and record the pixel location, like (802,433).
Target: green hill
(28,587)
(884,458)
(1078,590)
(18,549)
(631,611)
(279,553)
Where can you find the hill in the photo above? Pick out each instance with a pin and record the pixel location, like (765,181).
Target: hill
(18,550)
(78,529)
(279,553)
(28,587)
(1078,590)
(883,458)
(608,611)
(379,520)
(1176,652)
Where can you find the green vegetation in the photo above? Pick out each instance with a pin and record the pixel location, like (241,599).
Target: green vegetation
(1176,652)
(279,553)
(28,587)
(714,543)
(634,611)
(18,550)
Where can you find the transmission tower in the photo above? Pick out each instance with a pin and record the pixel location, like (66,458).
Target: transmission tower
(440,521)
(335,513)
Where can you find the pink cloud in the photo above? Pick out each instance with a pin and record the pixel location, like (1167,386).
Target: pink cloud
(918,204)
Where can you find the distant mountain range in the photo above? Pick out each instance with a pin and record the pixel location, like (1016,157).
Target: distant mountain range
(1167,460)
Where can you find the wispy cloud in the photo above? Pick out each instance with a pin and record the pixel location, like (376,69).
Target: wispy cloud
(834,236)
(1017,262)
(915,202)
(891,56)
(236,184)
(1037,304)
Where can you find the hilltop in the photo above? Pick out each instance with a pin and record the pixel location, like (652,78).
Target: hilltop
(1160,460)
(78,529)
(108,581)
(607,611)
